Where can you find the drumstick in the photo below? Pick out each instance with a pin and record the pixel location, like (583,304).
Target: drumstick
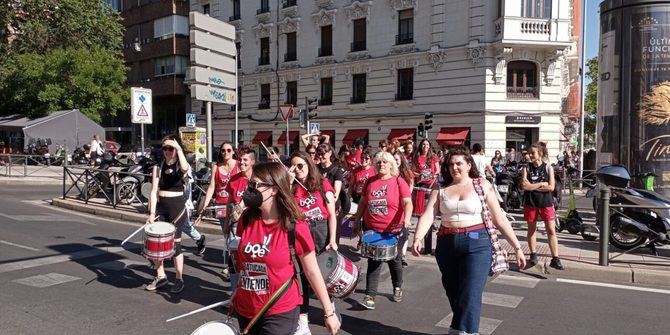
(133,234)
(282,163)
(200,310)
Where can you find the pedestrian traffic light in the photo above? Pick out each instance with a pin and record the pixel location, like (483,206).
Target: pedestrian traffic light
(303,119)
(421,130)
(311,104)
(428,121)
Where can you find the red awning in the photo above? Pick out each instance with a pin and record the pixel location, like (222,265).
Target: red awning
(452,135)
(353,134)
(264,136)
(401,134)
(293,137)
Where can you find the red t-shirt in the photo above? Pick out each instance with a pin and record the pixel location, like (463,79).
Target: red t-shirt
(425,171)
(264,264)
(222,179)
(360,177)
(384,212)
(311,203)
(354,160)
(236,186)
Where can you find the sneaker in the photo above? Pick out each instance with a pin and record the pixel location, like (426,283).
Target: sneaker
(303,326)
(201,245)
(556,263)
(178,286)
(404,262)
(368,302)
(157,283)
(397,294)
(532,261)
(225,274)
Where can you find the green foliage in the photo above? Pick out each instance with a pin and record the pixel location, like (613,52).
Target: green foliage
(591,98)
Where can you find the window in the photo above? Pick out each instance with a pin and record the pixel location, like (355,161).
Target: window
(359,35)
(326,91)
(291,54)
(238,46)
(265,51)
(326,48)
(239,98)
(205,9)
(405,27)
(265,97)
(522,80)
(359,83)
(170,26)
(114,4)
(292,93)
(265,7)
(236,10)
(289,3)
(405,84)
(540,9)
(170,65)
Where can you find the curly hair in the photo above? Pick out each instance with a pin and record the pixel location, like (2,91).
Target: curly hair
(458,151)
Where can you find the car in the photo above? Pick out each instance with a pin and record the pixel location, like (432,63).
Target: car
(111,146)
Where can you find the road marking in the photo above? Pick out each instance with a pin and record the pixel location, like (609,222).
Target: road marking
(43,218)
(631,288)
(517,281)
(486,326)
(40,203)
(121,264)
(19,245)
(502,300)
(42,281)
(48,260)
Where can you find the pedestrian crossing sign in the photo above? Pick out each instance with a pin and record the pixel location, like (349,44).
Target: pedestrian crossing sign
(314,128)
(141,105)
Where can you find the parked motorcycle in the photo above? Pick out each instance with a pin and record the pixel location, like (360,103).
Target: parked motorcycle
(39,149)
(509,187)
(134,179)
(79,156)
(632,227)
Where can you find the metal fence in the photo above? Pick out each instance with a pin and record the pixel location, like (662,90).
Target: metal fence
(18,165)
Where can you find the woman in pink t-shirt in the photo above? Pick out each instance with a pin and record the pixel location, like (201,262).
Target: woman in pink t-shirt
(386,207)
(264,259)
(360,176)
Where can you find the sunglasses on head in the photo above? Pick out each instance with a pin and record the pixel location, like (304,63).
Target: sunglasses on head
(255,184)
(168,149)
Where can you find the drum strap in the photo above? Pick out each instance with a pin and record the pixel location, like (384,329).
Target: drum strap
(291,247)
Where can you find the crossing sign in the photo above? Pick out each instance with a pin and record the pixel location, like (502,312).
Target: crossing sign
(314,128)
(141,105)
(286,111)
(190,120)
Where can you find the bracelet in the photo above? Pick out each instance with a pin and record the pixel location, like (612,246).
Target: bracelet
(325,316)
(517,248)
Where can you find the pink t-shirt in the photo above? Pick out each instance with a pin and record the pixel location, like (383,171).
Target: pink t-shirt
(264,265)
(236,186)
(312,204)
(222,179)
(425,171)
(385,211)
(360,177)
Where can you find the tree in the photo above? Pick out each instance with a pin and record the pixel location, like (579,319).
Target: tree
(61,54)
(591,99)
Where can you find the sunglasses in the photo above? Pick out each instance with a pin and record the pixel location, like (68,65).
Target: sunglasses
(312,153)
(299,166)
(170,149)
(323,153)
(226,150)
(255,184)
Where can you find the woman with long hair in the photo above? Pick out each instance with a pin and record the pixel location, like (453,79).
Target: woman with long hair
(426,167)
(463,251)
(408,148)
(537,181)
(271,229)
(498,162)
(335,175)
(360,176)
(317,202)
(405,172)
(386,207)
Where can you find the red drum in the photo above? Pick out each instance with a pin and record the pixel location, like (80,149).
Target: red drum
(158,241)
(339,273)
(419,195)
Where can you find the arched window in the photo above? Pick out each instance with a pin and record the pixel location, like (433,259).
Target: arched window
(522,80)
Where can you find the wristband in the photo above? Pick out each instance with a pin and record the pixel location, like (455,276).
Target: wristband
(325,316)
(517,248)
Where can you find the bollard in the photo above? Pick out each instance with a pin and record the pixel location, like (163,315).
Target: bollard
(9,171)
(604,218)
(25,166)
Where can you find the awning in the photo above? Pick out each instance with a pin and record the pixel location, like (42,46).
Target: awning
(264,136)
(353,134)
(452,135)
(401,134)
(293,137)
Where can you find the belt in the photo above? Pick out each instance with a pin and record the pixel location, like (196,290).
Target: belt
(453,231)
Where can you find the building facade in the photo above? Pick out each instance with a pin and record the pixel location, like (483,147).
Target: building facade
(487,71)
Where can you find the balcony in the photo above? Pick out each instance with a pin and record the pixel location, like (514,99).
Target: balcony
(156,48)
(404,96)
(291,56)
(523,30)
(522,92)
(234,17)
(164,85)
(358,46)
(325,52)
(357,100)
(263,10)
(264,61)
(405,38)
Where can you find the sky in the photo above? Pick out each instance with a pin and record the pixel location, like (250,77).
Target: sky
(592,40)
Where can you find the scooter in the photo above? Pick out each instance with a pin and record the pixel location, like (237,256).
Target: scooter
(571,221)
(134,178)
(508,185)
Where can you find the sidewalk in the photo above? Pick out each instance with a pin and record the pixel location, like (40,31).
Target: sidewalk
(31,175)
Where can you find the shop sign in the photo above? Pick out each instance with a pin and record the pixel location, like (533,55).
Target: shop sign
(523,119)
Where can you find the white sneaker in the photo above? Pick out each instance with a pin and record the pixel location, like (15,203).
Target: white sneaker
(303,326)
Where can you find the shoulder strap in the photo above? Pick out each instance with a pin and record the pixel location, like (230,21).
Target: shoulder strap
(486,215)
(294,259)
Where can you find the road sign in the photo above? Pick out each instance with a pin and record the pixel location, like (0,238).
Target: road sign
(213,94)
(190,120)
(141,105)
(200,75)
(314,128)
(286,111)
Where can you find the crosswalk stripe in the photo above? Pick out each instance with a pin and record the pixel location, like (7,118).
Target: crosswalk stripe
(120,264)
(42,281)
(31,263)
(486,325)
(518,281)
(502,300)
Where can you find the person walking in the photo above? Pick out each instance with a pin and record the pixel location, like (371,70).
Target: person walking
(497,162)
(463,251)
(405,172)
(360,176)
(335,176)
(273,239)
(537,181)
(426,167)
(386,207)
(482,163)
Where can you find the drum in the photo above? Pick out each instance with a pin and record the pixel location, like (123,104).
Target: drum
(348,227)
(340,274)
(158,240)
(218,211)
(379,246)
(216,328)
(419,200)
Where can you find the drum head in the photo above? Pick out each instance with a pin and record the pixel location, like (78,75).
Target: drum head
(327,261)
(215,328)
(159,227)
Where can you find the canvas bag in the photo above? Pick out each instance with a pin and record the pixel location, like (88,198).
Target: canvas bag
(499,256)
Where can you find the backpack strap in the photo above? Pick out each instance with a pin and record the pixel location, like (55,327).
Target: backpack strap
(291,247)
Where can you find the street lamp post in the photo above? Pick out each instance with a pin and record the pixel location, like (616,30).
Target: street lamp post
(581,92)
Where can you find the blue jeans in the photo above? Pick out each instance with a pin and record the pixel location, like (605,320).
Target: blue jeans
(464,260)
(189,230)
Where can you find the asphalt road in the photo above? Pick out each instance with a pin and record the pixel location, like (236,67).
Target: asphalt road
(64,273)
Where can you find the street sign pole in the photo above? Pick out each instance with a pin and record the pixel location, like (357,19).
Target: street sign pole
(142,137)
(209,131)
(237,108)
(287,137)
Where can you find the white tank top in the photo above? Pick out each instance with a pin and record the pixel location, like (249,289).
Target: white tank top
(460,210)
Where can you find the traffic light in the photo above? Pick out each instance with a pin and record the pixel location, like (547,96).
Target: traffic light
(421,130)
(428,121)
(311,105)
(303,119)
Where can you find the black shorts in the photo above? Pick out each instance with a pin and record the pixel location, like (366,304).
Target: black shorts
(172,210)
(278,324)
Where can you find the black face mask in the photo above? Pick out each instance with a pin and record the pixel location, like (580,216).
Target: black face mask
(252,198)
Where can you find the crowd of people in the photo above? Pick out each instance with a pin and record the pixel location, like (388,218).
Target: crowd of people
(278,216)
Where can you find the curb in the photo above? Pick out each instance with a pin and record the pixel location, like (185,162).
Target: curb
(111,213)
(20,181)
